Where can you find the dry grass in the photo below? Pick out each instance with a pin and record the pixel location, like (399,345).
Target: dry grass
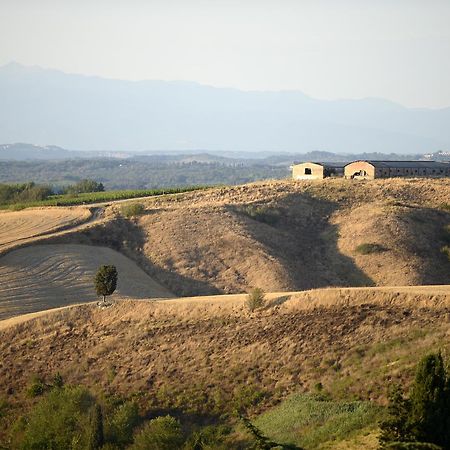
(19,225)
(40,277)
(212,355)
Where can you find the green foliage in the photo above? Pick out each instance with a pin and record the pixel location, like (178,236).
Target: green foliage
(132,210)
(425,416)
(27,192)
(212,437)
(395,428)
(60,421)
(95,197)
(264,214)
(430,402)
(446,251)
(256,299)
(84,186)
(119,428)
(105,280)
(261,442)
(95,434)
(58,381)
(36,387)
(162,433)
(369,248)
(311,420)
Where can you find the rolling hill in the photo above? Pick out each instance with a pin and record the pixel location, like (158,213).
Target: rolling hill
(336,257)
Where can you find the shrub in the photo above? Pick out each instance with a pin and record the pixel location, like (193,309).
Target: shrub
(119,429)
(36,387)
(369,248)
(263,214)
(60,421)
(256,299)
(162,433)
(446,251)
(132,210)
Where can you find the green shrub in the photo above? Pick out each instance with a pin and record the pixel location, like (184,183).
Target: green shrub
(59,421)
(369,248)
(36,387)
(162,433)
(256,299)
(132,210)
(119,428)
(264,214)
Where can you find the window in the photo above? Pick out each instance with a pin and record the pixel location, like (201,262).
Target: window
(308,171)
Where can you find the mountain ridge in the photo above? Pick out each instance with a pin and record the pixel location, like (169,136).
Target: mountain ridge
(94,113)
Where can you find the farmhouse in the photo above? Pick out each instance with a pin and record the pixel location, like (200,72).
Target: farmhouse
(388,169)
(316,170)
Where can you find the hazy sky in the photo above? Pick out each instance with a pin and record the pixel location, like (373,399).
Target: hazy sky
(395,49)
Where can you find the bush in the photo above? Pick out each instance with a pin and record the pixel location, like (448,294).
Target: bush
(162,433)
(263,214)
(84,186)
(446,251)
(119,429)
(369,248)
(256,299)
(60,421)
(36,387)
(132,210)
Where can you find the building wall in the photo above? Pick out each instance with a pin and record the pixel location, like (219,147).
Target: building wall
(300,171)
(360,169)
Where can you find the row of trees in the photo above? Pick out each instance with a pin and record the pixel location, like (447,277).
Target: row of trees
(31,192)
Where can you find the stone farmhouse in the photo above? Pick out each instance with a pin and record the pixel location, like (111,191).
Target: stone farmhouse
(370,169)
(317,170)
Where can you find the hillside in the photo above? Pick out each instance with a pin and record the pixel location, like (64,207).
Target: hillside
(277,235)
(206,356)
(47,106)
(286,236)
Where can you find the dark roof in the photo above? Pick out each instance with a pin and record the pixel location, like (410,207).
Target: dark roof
(408,164)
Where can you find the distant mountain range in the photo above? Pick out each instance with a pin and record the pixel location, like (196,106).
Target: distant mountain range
(89,113)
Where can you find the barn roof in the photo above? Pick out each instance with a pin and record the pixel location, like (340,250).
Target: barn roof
(334,165)
(408,164)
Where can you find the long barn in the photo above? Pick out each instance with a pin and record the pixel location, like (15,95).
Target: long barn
(389,169)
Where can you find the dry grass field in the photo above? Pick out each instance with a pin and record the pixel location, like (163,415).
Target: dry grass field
(40,277)
(19,225)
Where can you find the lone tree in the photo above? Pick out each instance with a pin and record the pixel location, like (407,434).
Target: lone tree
(105,281)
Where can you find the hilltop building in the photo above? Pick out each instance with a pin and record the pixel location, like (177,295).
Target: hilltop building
(317,170)
(389,169)
(370,169)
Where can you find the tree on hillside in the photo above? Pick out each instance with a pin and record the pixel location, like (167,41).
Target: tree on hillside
(105,281)
(424,418)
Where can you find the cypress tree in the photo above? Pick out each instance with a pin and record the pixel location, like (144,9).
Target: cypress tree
(430,402)
(395,428)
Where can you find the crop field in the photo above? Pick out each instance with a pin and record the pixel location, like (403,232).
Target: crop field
(46,276)
(98,197)
(18,225)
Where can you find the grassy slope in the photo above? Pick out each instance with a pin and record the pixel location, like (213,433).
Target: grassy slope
(288,236)
(210,356)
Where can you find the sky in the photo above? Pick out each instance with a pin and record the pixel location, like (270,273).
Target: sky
(328,49)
